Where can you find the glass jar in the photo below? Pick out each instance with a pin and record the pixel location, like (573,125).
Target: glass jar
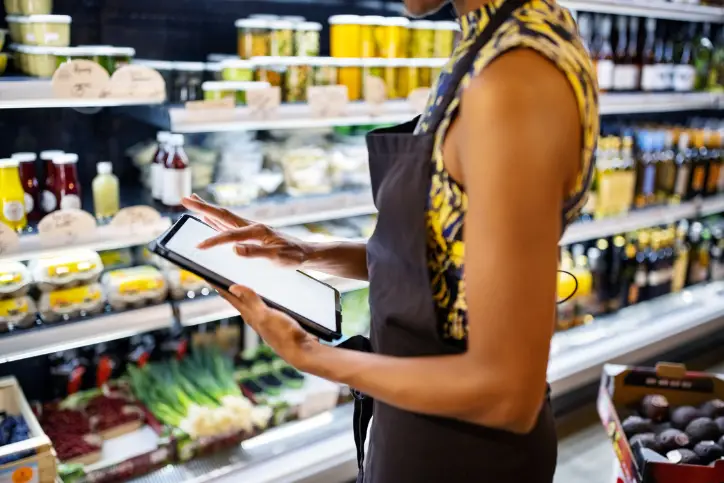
(374,68)
(12,7)
(422,39)
(371,36)
(188,77)
(306,39)
(296,79)
(216,90)
(444,38)
(409,76)
(237,70)
(282,38)
(253,37)
(393,34)
(48,30)
(345,36)
(349,74)
(271,70)
(323,71)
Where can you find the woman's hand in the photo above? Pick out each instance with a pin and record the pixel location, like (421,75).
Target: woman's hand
(277,329)
(250,239)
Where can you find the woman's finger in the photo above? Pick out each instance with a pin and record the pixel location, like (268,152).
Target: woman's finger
(195,203)
(246,233)
(256,251)
(238,304)
(216,224)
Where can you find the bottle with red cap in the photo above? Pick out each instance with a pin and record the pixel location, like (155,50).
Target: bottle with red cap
(29,180)
(158,164)
(48,199)
(67,188)
(176,174)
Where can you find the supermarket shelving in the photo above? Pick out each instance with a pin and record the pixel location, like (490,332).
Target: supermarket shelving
(649,8)
(51,338)
(38,94)
(299,116)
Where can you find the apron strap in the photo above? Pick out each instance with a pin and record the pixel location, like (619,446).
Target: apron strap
(463,65)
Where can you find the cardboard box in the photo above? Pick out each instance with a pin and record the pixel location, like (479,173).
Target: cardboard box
(40,466)
(624,387)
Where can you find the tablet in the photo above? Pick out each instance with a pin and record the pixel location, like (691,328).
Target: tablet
(315,305)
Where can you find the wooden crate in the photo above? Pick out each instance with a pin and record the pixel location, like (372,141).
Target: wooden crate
(41,466)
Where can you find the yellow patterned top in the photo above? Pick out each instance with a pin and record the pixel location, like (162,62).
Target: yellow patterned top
(549,29)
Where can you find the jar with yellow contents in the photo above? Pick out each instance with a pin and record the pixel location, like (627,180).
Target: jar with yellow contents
(281,38)
(445,35)
(324,70)
(254,37)
(422,37)
(392,37)
(296,79)
(271,70)
(370,40)
(345,42)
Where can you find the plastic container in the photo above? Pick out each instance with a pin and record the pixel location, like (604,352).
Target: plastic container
(15,280)
(36,61)
(106,199)
(188,77)
(215,90)
(184,284)
(112,58)
(134,287)
(344,35)
(17,313)
(281,38)
(67,54)
(48,30)
(73,302)
(35,7)
(306,39)
(3,37)
(253,37)
(12,7)
(239,70)
(271,70)
(444,38)
(18,26)
(66,271)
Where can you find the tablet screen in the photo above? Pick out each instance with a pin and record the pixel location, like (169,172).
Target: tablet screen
(286,287)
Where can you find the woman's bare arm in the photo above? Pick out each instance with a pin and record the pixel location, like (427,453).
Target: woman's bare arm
(342,259)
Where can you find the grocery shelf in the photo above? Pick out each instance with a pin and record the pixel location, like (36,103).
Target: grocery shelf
(712,206)
(57,337)
(635,103)
(649,8)
(582,231)
(37,94)
(104,237)
(634,335)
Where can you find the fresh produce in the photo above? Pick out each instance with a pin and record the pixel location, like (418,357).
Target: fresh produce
(197,395)
(110,412)
(70,431)
(13,429)
(655,407)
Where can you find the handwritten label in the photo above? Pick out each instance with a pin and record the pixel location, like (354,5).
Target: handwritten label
(227,103)
(418,98)
(65,226)
(328,101)
(137,82)
(136,219)
(264,103)
(375,91)
(9,240)
(80,79)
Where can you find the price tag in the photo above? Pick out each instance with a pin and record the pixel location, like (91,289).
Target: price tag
(80,79)
(136,219)
(65,226)
(227,103)
(328,101)
(137,82)
(9,240)
(418,98)
(264,103)
(375,92)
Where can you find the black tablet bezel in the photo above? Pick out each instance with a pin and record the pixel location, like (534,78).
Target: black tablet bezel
(158,246)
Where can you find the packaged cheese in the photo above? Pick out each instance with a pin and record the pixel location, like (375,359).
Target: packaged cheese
(64,271)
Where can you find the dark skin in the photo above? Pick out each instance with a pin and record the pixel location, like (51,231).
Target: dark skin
(530,135)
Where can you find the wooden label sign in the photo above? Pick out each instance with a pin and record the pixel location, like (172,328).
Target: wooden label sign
(264,103)
(137,82)
(328,101)
(135,219)
(80,79)
(227,103)
(418,98)
(65,226)
(375,91)
(9,240)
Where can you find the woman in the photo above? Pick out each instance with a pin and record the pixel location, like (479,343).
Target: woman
(472,200)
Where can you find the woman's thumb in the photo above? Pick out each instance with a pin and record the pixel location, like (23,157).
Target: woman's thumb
(245,294)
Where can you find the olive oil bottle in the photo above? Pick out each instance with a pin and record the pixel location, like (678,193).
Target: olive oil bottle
(681,260)
(683,168)
(641,275)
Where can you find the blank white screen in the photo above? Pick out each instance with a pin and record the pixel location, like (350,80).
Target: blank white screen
(286,287)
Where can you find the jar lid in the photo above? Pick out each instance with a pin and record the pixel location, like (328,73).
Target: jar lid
(422,25)
(281,24)
(176,139)
(446,25)
(9,163)
(344,20)
(190,66)
(372,20)
(233,85)
(162,136)
(24,157)
(219,57)
(16,19)
(49,19)
(266,61)
(340,61)
(213,66)
(396,22)
(252,23)
(34,49)
(72,51)
(236,64)
(65,158)
(50,154)
(264,16)
(154,64)
(293,18)
(311,26)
